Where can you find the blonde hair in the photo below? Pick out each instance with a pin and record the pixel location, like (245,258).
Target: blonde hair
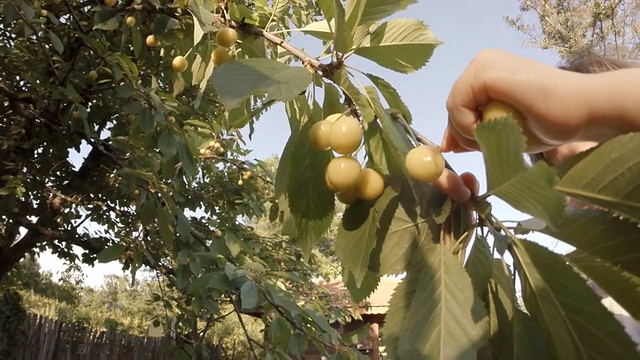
(587,63)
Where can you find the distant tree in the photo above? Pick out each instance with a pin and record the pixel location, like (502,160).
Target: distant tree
(609,27)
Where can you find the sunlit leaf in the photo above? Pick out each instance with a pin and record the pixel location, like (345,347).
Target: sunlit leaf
(622,286)
(609,176)
(617,241)
(402,45)
(573,320)
(529,190)
(236,80)
(436,314)
(479,265)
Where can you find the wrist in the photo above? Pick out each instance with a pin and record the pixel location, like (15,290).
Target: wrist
(613,104)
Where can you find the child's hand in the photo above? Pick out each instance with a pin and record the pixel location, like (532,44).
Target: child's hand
(550,99)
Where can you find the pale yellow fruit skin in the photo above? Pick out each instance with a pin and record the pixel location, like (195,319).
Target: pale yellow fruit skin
(334,117)
(110,3)
(424,163)
(496,109)
(319,135)
(226,37)
(346,135)
(151,41)
(348,196)
(220,56)
(329,184)
(179,64)
(130,21)
(343,173)
(370,185)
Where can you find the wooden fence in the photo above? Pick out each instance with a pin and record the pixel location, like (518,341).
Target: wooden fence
(49,339)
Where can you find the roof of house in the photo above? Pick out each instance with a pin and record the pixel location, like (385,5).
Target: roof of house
(376,303)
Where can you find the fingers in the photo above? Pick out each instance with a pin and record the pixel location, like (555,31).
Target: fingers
(471,182)
(454,141)
(453,185)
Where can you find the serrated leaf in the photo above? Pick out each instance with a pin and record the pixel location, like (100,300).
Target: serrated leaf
(479,265)
(391,96)
(401,45)
(249,295)
(514,334)
(529,190)
(597,233)
(443,318)
(342,37)
(111,253)
(356,236)
(234,81)
(609,176)
(332,103)
(341,78)
(375,10)
(622,286)
(360,292)
(375,149)
(310,201)
(409,236)
(320,29)
(328,9)
(574,321)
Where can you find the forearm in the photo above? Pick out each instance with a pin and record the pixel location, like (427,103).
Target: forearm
(614,103)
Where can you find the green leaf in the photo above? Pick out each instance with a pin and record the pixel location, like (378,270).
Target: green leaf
(279,332)
(343,38)
(375,10)
(529,190)
(165,225)
(328,9)
(341,78)
(187,160)
(111,253)
(479,265)
(168,143)
(56,42)
(320,29)
(356,236)
(441,317)
(106,19)
(236,80)
(391,96)
(617,241)
(622,286)
(298,344)
(514,334)
(401,45)
(375,149)
(355,336)
(310,201)
(360,292)
(332,100)
(574,321)
(249,295)
(408,236)
(609,176)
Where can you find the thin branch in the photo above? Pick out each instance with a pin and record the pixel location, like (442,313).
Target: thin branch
(244,328)
(42,47)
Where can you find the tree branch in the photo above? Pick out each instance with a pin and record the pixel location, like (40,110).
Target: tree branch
(244,328)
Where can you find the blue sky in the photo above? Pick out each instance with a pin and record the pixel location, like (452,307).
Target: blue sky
(465,28)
